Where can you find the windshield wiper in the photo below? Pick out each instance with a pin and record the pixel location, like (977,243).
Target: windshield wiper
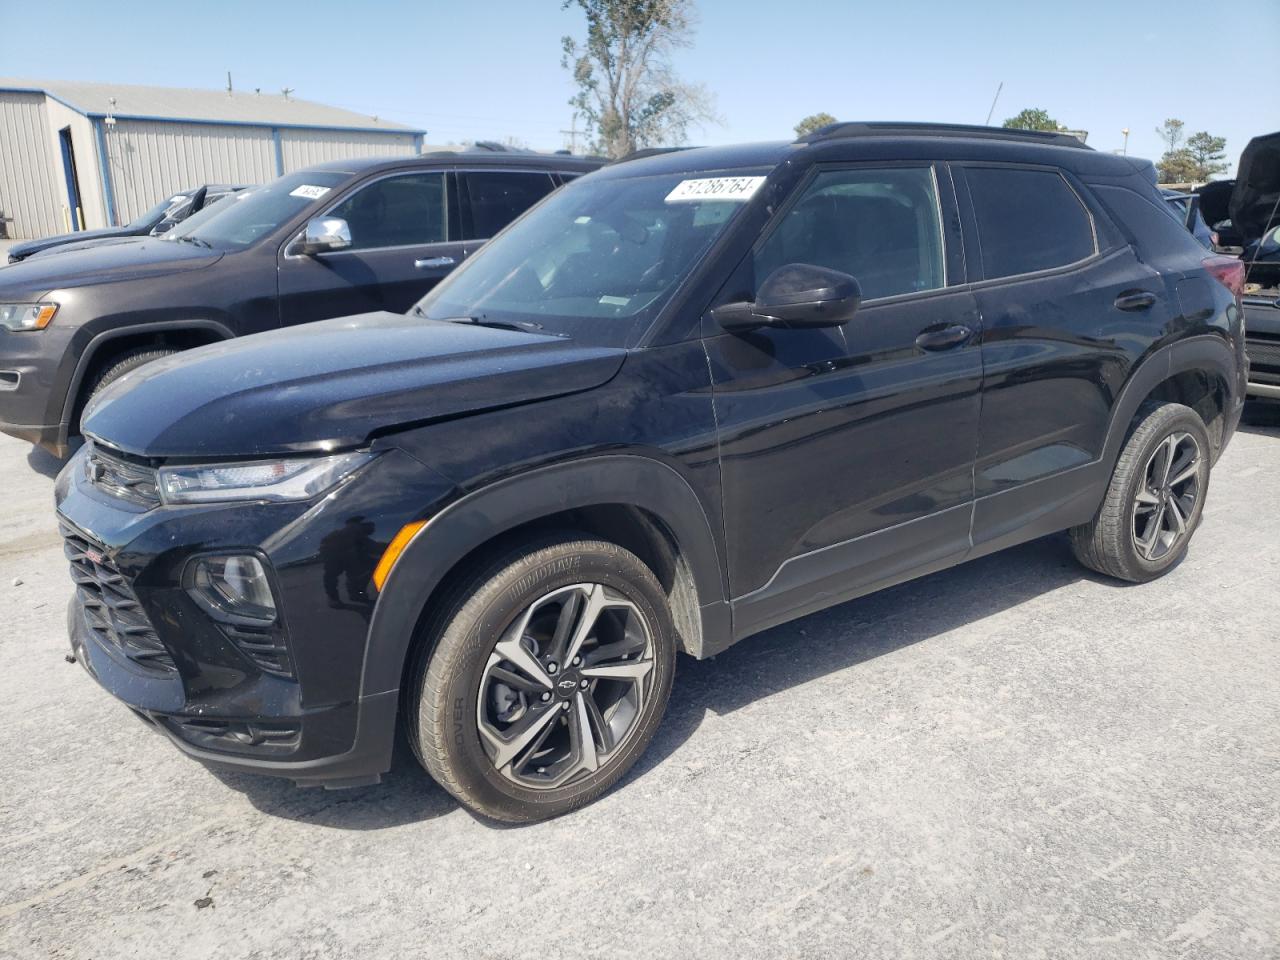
(196,240)
(483,321)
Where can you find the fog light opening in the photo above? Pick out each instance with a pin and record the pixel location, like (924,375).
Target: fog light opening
(236,586)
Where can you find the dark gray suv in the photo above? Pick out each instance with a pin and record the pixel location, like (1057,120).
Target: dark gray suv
(340,238)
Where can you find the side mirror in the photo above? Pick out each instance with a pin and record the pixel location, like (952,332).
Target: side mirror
(324,234)
(796,296)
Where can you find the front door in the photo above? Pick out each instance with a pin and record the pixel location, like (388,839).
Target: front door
(847,453)
(403,242)
(76,215)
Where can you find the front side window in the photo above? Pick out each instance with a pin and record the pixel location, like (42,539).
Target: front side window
(879,226)
(1028,220)
(398,211)
(598,260)
(497,198)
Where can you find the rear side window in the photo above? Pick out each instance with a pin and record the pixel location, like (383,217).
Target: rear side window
(1028,220)
(498,198)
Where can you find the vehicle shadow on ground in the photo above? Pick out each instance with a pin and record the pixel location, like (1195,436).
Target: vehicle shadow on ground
(1261,417)
(44,463)
(758,667)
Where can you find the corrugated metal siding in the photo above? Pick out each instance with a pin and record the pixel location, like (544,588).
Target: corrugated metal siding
(302,148)
(32,190)
(150,160)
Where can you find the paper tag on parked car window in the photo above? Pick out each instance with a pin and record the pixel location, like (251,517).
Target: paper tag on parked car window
(715,188)
(308,191)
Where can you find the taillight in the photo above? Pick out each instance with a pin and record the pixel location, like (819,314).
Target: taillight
(1229,272)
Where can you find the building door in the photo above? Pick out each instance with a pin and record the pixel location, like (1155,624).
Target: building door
(76,215)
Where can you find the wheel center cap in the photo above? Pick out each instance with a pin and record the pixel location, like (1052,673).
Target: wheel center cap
(565,686)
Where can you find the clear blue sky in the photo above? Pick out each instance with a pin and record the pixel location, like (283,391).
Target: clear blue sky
(475,69)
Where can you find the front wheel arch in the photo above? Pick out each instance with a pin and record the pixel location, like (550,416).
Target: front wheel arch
(464,531)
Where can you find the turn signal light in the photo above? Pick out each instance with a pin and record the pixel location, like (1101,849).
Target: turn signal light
(393,551)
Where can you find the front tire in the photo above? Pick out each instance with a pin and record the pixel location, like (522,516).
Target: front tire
(1154,501)
(550,671)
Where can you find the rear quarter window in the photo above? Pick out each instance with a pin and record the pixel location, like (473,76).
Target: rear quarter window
(1028,220)
(1152,226)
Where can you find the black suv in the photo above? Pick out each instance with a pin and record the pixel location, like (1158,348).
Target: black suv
(684,399)
(339,238)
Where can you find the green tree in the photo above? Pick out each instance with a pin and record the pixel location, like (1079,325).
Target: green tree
(1178,166)
(812,123)
(1033,118)
(628,91)
(1209,153)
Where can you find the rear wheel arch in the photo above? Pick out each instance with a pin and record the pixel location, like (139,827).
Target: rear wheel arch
(1198,372)
(640,503)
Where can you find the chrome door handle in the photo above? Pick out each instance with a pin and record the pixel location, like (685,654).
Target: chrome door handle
(429,262)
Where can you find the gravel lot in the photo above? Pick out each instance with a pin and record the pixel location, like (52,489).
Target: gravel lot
(1010,759)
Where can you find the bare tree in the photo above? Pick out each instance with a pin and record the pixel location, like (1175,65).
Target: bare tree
(628,91)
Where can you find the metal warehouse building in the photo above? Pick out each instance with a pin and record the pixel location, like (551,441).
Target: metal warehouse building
(82,155)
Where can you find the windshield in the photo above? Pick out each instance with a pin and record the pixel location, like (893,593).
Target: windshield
(156,213)
(597,260)
(250,214)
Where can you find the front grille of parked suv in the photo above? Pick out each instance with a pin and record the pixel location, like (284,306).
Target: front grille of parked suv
(111,609)
(128,480)
(1264,358)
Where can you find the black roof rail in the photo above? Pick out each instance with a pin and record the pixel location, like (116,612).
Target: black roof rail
(649,152)
(837,131)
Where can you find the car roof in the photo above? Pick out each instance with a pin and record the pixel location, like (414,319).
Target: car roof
(855,142)
(463,158)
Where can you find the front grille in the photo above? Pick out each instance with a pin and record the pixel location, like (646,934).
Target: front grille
(111,608)
(237,735)
(135,482)
(1263,353)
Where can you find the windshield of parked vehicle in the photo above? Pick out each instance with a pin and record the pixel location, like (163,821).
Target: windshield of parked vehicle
(156,213)
(250,214)
(598,259)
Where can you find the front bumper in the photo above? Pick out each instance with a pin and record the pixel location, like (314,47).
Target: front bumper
(1262,344)
(194,680)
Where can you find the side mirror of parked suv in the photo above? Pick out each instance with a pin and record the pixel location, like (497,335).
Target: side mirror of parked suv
(796,296)
(324,234)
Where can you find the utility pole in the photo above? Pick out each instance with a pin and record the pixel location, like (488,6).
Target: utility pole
(572,134)
(228,83)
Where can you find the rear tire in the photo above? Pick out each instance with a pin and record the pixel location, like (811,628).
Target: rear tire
(564,635)
(1154,501)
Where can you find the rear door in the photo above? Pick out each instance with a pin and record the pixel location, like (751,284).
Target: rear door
(1064,303)
(403,242)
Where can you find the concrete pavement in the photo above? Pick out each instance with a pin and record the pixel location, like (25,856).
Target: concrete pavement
(1010,759)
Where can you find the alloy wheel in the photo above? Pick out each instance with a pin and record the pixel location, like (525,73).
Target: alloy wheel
(1167,499)
(565,686)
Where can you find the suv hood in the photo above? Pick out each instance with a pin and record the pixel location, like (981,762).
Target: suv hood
(110,262)
(1254,197)
(28,247)
(329,385)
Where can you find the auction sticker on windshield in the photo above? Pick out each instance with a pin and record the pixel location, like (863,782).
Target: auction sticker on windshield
(308,191)
(715,188)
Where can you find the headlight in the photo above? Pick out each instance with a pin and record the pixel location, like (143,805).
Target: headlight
(26,316)
(292,479)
